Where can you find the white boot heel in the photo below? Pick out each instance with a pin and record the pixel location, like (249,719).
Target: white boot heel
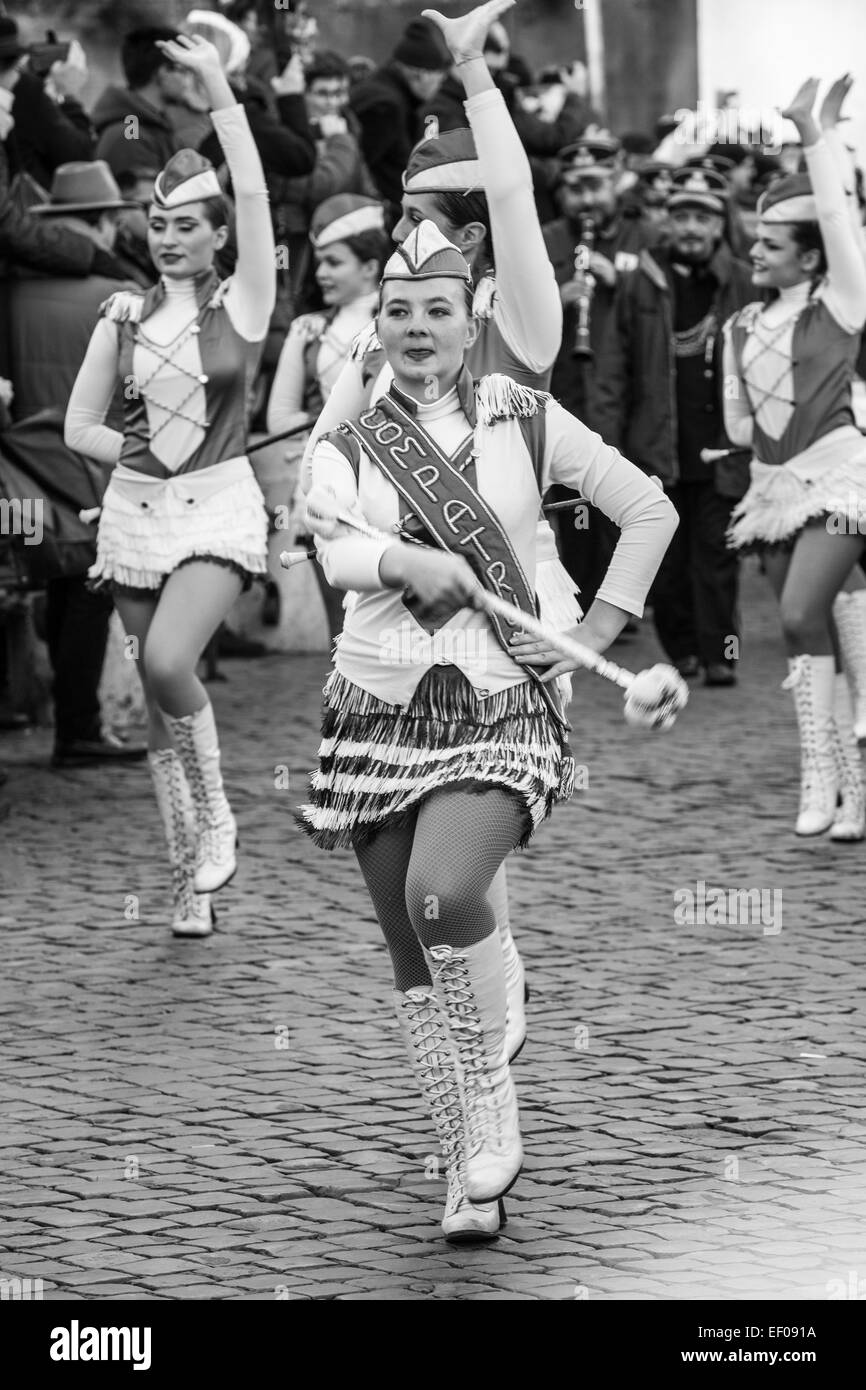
(812,679)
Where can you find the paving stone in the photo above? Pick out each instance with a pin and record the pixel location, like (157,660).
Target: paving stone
(157,1144)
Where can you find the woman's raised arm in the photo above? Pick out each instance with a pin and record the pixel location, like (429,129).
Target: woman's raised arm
(528,310)
(252,290)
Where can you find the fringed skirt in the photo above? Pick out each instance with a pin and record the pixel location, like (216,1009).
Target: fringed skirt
(378,762)
(826,483)
(148,527)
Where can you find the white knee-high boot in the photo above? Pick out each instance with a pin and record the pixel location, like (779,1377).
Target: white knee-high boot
(850,822)
(849,613)
(428,1044)
(470,989)
(193,913)
(515,977)
(813,681)
(197,744)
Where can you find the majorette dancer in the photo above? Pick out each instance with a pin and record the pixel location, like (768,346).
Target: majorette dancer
(443,746)
(183,526)
(788,371)
(476,186)
(351,247)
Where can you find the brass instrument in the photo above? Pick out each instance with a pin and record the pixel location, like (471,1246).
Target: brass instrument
(582,254)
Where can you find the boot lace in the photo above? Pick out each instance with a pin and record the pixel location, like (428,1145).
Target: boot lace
(438,1078)
(485,1120)
(814,786)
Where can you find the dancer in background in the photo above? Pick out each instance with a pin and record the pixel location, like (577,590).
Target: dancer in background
(789,367)
(476,186)
(849,607)
(183,525)
(350,245)
(435,767)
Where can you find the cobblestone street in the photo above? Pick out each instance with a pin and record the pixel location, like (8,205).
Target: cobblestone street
(233,1118)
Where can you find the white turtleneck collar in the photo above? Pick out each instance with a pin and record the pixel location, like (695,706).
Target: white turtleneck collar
(448,404)
(178,288)
(796,295)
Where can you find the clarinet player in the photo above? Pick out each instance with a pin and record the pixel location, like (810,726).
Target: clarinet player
(594,231)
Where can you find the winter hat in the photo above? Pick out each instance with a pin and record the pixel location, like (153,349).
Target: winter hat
(421,46)
(345,215)
(425,255)
(187,178)
(446,163)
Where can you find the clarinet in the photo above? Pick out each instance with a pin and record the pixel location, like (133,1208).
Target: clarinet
(582,253)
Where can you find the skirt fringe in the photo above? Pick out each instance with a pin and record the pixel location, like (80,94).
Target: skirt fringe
(780,502)
(138,546)
(378,763)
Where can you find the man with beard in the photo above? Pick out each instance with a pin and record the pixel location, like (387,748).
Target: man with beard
(585,190)
(659,397)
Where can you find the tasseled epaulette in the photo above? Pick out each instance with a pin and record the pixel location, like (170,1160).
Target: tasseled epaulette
(366,342)
(122,307)
(499,397)
(482,301)
(747,317)
(309,327)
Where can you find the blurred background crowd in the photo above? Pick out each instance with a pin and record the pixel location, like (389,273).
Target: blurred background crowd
(80,147)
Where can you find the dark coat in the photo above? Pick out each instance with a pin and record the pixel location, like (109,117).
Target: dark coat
(51,323)
(155,142)
(35,242)
(635,396)
(281,131)
(447,106)
(573,380)
(46,133)
(391,126)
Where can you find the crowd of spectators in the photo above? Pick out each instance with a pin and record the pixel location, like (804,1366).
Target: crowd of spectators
(75,185)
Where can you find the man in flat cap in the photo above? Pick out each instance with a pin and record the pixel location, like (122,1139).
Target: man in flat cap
(51,320)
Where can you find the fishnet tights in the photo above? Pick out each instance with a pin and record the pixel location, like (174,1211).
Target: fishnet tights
(429,876)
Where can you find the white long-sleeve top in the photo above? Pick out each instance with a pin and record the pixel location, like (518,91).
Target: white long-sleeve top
(526,312)
(505,477)
(248,298)
(768,356)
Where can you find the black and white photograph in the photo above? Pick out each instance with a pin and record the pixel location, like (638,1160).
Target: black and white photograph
(433,666)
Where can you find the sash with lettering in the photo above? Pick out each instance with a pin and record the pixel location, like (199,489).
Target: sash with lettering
(456,517)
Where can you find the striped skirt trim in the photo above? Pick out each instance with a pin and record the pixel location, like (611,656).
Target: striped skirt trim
(378,762)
